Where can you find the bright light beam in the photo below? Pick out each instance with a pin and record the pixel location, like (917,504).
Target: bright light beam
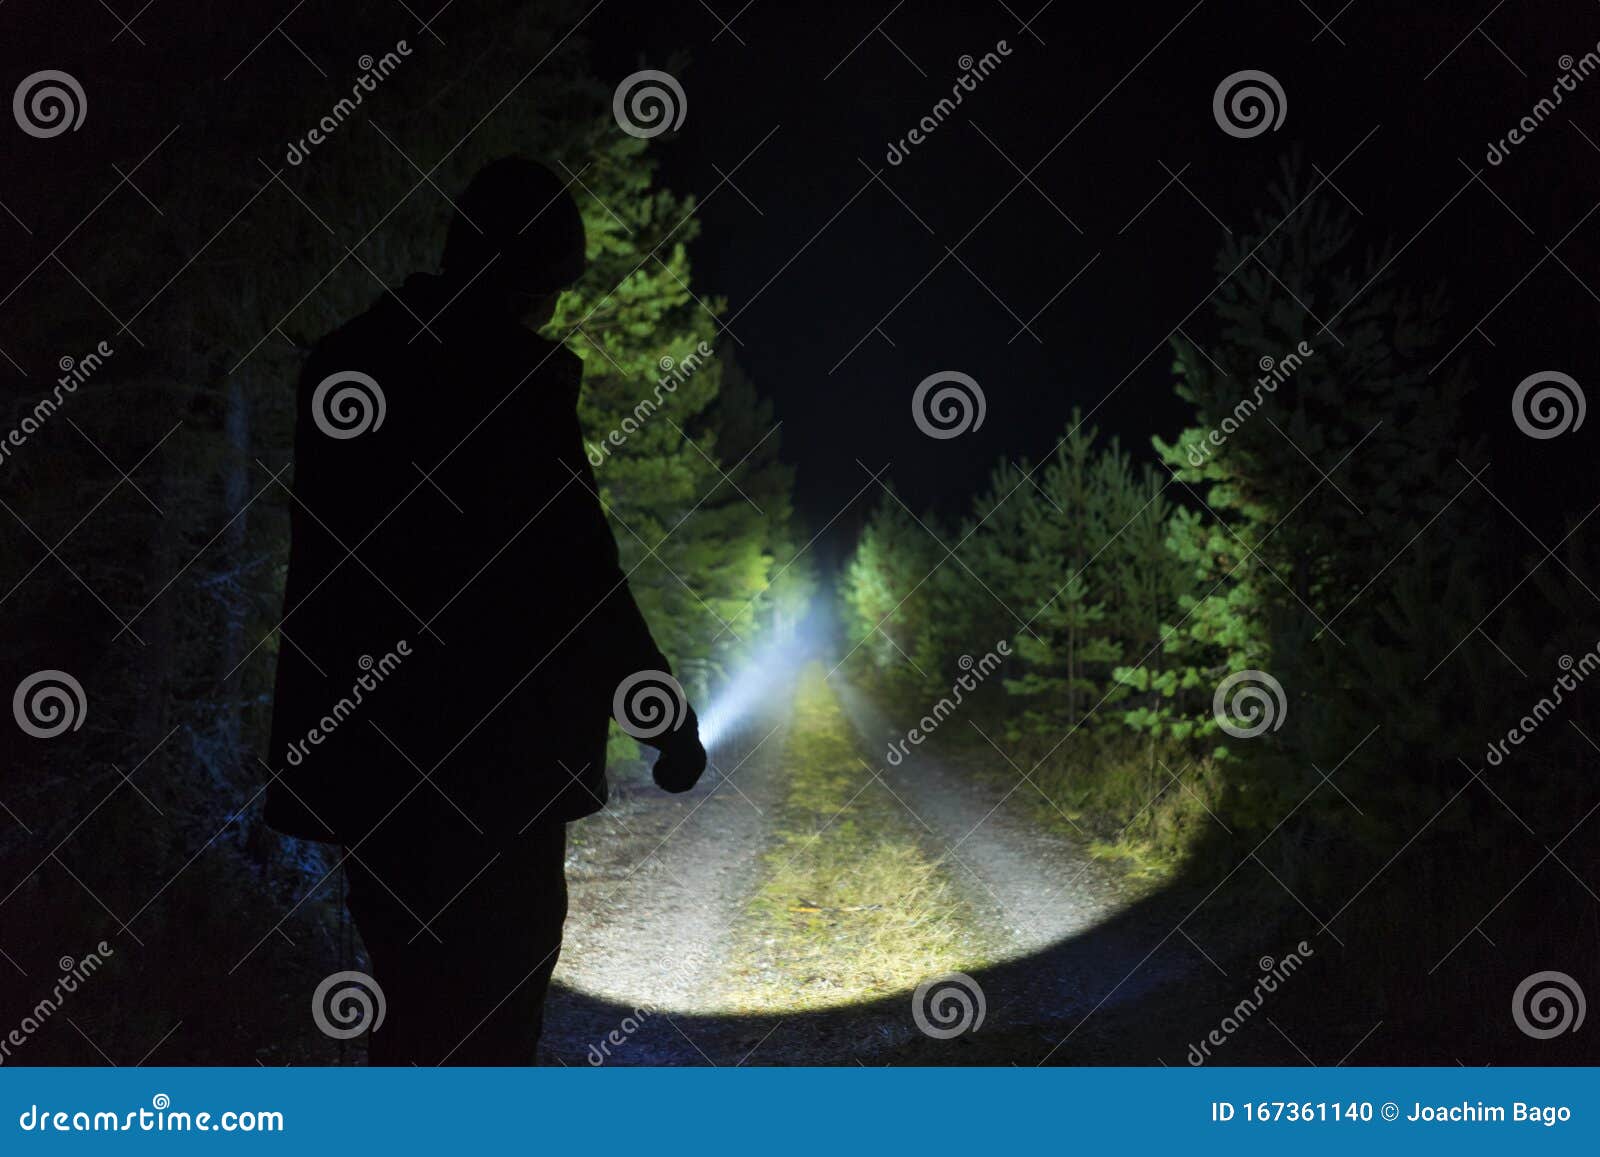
(765,671)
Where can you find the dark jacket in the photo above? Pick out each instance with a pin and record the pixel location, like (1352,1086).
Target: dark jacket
(466,654)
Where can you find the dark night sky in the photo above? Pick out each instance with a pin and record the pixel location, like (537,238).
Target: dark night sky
(820,251)
(1113,122)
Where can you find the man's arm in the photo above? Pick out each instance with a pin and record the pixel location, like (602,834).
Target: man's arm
(615,640)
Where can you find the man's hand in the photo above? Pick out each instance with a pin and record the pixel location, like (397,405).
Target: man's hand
(682,759)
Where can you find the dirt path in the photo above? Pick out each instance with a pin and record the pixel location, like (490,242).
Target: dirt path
(656,882)
(1033,888)
(662,935)
(1072,952)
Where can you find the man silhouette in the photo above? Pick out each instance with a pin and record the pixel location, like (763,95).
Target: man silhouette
(456,626)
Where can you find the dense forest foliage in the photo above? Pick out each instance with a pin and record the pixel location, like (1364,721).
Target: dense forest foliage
(262,252)
(1257,642)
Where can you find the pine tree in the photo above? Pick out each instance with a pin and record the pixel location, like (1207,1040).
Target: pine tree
(884,593)
(1321,447)
(1067,648)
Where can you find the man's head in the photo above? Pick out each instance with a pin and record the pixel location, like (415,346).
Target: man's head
(517,237)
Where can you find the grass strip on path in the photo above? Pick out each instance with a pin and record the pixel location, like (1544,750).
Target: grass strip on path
(854,906)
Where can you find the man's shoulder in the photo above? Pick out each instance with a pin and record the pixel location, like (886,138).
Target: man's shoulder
(409,332)
(361,343)
(550,358)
